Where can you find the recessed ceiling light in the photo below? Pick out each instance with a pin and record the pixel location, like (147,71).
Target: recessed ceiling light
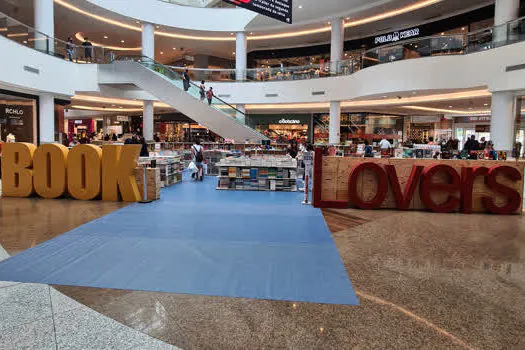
(300,6)
(251,33)
(470,108)
(486,104)
(442,33)
(25,41)
(233,52)
(347,18)
(329,22)
(385,96)
(162,53)
(231,33)
(120,107)
(414,92)
(105,36)
(174,48)
(449,106)
(122,41)
(158,27)
(137,22)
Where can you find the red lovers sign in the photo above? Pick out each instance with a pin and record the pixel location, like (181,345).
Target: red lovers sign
(453,185)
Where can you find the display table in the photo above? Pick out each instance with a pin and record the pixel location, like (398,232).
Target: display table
(418,184)
(258,174)
(170,168)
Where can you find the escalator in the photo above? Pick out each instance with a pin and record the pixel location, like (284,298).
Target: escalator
(167,86)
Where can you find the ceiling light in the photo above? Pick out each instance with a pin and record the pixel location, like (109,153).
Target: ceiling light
(174,48)
(470,108)
(251,33)
(137,22)
(463,28)
(233,52)
(300,6)
(449,106)
(486,104)
(385,96)
(158,27)
(414,92)
(162,53)
(378,17)
(231,33)
(80,38)
(105,36)
(122,41)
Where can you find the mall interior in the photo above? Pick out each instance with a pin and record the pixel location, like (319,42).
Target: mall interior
(264,174)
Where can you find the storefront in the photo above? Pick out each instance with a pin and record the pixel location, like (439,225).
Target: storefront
(465,127)
(357,127)
(282,127)
(18,117)
(320,54)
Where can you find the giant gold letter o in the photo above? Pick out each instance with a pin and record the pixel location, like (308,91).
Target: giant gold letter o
(84,167)
(17,176)
(49,170)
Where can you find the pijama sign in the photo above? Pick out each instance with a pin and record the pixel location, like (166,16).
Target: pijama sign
(85,172)
(280,10)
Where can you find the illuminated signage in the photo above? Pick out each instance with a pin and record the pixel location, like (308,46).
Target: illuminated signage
(280,10)
(289,121)
(396,36)
(13,111)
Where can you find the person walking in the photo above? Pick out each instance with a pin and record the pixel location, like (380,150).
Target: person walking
(69,48)
(198,158)
(209,95)
(88,50)
(202,91)
(186,80)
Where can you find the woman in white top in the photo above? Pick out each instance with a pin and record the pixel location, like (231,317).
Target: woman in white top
(198,158)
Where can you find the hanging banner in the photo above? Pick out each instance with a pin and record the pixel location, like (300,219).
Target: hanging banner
(280,10)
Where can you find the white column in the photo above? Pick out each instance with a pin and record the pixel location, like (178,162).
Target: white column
(147,121)
(506,11)
(46,109)
(335,123)
(241,116)
(337,43)
(502,121)
(148,40)
(241,55)
(44,24)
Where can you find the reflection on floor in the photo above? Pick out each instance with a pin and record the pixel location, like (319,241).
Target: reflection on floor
(424,281)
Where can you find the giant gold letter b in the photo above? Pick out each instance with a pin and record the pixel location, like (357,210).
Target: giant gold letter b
(17,176)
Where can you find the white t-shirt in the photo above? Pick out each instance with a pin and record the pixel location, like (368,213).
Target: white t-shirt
(384,144)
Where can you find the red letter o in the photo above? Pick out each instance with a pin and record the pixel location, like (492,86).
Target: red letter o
(382,186)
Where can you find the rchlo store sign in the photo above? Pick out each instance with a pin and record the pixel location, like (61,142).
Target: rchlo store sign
(396,36)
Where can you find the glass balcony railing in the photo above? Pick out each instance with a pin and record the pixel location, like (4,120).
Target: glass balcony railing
(27,36)
(440,45)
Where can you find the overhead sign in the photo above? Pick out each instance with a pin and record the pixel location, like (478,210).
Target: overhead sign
(289,121)
(396,36)
(280,10)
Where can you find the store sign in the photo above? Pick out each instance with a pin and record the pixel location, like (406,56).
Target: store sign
(280,10)
(14,111)
(396,36)
(85,172)
(439,187)
(289,121)
(476,119)
(122,118)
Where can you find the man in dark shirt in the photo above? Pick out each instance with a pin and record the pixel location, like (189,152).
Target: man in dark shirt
(186,80)
(471,146)
(88,50)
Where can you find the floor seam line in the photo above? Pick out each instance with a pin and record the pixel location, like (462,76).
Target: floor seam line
(53,317)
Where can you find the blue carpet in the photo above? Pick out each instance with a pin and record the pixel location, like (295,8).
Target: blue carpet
(197,240)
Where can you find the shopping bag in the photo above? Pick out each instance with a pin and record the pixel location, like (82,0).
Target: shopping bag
(192,167)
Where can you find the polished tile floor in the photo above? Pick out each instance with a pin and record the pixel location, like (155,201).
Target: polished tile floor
(425,281)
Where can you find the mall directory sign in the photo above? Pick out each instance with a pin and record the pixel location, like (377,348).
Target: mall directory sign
(280,10)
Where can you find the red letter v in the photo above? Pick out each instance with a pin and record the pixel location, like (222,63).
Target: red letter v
(403,200)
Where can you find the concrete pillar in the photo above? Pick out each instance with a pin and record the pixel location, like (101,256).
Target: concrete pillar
(335,123)
(148,40)
(506,11)
(147,121)
(46,108)
(337,43)
(241,116)
(241,55)
(502,132)
(44,25)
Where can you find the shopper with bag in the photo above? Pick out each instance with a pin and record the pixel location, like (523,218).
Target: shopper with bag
(198,158)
